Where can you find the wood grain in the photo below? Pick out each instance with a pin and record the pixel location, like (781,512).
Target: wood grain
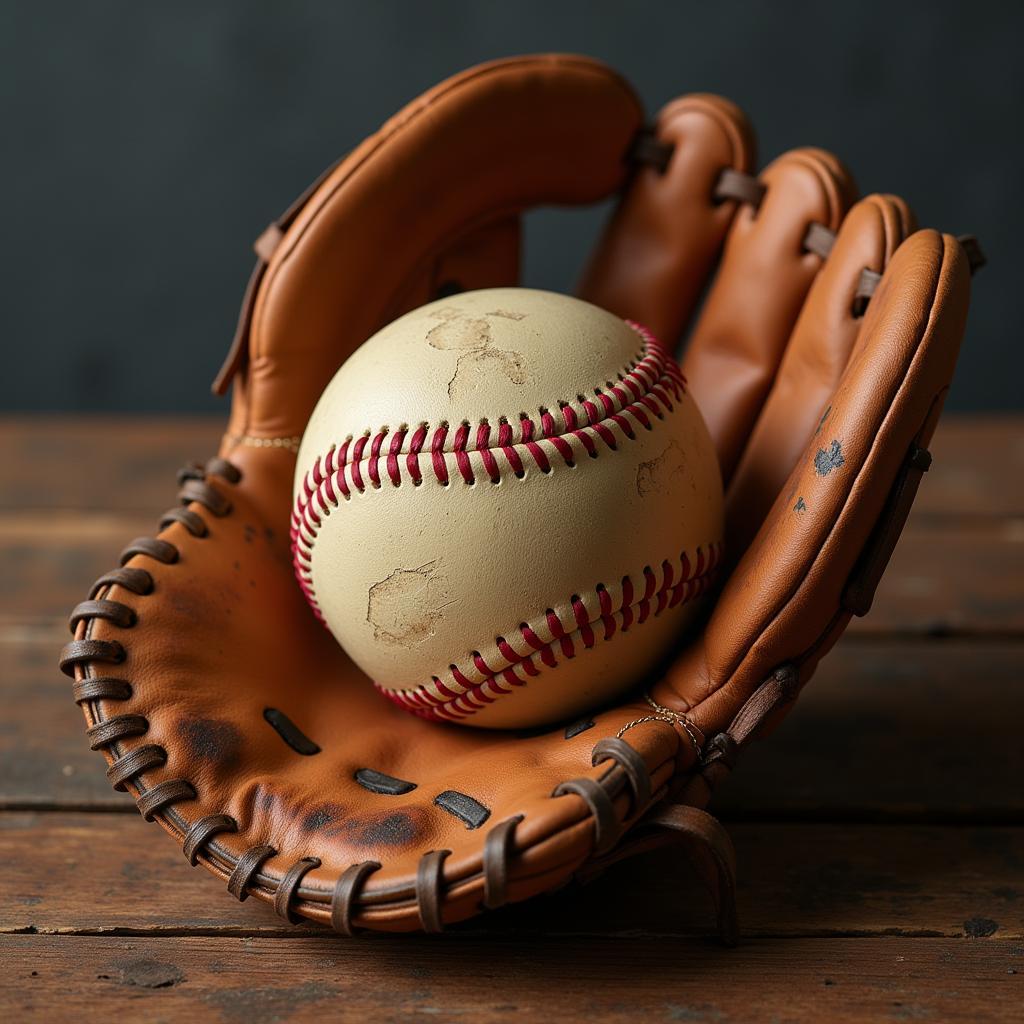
(880,834)
(978,468)
(88,873)
(45,760)
(883,731)
(942,580)
(49,562)
(109,463)
(898,731)
(255,980)
(99,463)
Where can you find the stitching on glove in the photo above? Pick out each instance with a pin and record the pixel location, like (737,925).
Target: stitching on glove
(641,393)
(458,695)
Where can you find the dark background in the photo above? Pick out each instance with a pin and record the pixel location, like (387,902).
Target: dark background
(146,145)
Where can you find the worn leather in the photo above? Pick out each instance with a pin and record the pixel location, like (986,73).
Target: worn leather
(817,414)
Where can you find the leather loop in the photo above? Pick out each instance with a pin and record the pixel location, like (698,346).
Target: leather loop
(429,889)
(651,151)
(346,892)
(778,689)
(629,760)
(819,240)
(101,688)
(867,283)
(497,850)
(246,868)
(192,522)
(160,796)
(202,831)
(76,652)
(134,763)
(595,796)
(191,471)
(112,729)
(138,581)
(268,241)
(976,258)
(222,468)
(740,187)
(289,885)
(160,550)
(112,611)
(203,494)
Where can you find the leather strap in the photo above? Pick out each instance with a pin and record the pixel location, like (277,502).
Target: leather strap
(497,849)
(246,868)
(346,891)
(289,887)
(429,883)
(707,844)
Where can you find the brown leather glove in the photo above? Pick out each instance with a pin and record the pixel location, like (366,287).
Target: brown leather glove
(820,358)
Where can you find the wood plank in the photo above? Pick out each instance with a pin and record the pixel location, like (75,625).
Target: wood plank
(86,871)
(102,463)
(128,463)
(50,562)
(942,579)
(978,468)
(45,758)
(894,731)
(312,979)
(882,731)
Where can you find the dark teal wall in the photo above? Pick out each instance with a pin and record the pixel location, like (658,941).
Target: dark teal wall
(146,145)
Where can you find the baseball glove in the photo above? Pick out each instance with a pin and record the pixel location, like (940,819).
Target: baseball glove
(822,336)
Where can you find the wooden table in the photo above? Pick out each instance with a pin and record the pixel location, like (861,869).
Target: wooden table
(879,834)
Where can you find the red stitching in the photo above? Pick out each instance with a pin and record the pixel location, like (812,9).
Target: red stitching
(441,700)
(647,388)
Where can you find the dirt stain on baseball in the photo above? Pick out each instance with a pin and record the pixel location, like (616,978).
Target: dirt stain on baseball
(662,473)
(407,605)
(471,338)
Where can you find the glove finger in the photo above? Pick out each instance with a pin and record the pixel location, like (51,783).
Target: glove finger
(821,549)
(658,249)
(814,360)
(767,268)
(437,183)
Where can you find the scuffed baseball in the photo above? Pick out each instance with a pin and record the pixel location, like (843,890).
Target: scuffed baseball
(507,508)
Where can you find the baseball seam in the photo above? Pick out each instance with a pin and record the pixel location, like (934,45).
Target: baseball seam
(459,696)
(645,390)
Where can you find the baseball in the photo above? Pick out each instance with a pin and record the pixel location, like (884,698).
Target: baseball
(506,508)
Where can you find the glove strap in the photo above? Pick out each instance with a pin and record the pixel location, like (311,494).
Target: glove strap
(702,839)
